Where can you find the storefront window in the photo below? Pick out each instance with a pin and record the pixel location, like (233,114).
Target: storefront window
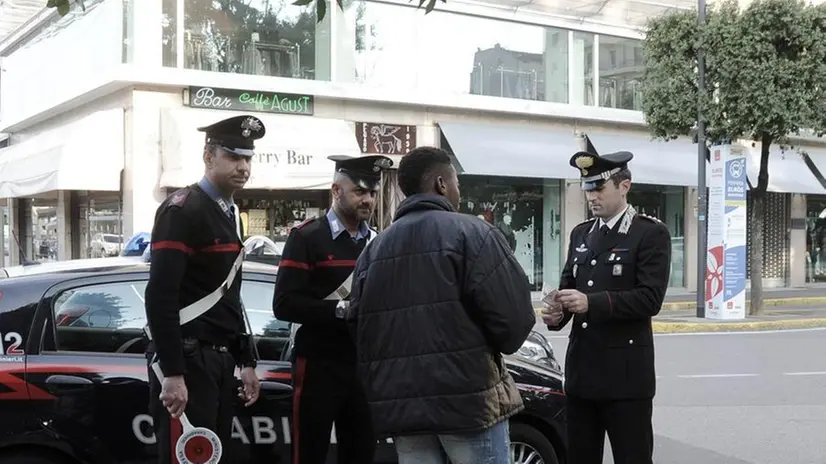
(527,211)
(666,203)
(100,225)
(397,46)
(43,233)
(259,37)
(273,215)
(620,72)
(815,238)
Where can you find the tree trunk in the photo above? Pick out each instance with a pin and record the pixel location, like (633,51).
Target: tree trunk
(758,205)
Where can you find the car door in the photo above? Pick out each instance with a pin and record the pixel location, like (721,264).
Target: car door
(92,370)
(262,432)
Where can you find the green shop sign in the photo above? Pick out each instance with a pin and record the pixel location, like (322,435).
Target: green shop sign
(248,100)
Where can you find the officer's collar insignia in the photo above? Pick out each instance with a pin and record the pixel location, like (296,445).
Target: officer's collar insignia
(627,219)
(581,248)
(249,125)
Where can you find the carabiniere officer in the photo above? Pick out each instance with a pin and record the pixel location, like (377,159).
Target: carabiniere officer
(196,249)
(313,289)
(613,282)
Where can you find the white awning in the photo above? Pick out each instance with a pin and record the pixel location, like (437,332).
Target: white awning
(788,171)
(512,151)
(292,155)
(655,162)
(83,155)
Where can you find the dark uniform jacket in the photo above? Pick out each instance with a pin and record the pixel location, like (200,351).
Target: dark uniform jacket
(194,244)
(625,275)
(313,265)
(437,298)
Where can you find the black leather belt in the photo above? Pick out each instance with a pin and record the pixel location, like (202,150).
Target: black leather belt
(208,345)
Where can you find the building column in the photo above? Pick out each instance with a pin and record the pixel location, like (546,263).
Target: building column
(64,225)
(690,239)
(24,230)
(144,30)
(141,193)
(797,241)
(14,232)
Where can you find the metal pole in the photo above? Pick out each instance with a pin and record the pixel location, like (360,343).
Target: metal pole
(701,171)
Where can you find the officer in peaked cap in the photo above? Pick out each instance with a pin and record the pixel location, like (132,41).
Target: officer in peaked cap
(197,248)
(364,171)
(313,289)
(236,134)
(612,284)
(595,169)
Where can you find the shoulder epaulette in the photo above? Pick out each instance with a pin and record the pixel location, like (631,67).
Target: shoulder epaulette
(303,223)
(650,218)
(587,221)
(178,197)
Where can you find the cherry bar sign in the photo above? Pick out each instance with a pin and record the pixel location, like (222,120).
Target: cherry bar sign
(248,100)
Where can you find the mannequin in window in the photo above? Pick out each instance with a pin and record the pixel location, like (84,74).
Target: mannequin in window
(507,231)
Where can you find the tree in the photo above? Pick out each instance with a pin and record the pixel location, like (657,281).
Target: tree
(765,75)
(320,5)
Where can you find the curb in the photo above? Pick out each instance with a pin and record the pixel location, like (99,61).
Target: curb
(693,327)
(767,302)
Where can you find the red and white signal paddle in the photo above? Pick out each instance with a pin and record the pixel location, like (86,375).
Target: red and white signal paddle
(196,445)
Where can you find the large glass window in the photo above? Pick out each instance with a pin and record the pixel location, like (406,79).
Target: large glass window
(620,72)
(527,211)
(666,203)
(100,225)
(815,238)
(397,46)
(260,37)
(582,69)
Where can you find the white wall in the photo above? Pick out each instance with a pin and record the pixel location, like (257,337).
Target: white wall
(56,66)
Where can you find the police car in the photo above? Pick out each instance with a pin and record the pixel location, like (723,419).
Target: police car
(73,383)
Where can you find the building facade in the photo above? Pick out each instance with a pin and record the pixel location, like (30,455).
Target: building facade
(101,108)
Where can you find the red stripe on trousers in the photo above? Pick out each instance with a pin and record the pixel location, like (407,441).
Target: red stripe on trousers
(301,367)
(175,432)
(337,263)
(295,264)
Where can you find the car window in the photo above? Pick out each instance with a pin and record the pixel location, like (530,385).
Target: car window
(110,317)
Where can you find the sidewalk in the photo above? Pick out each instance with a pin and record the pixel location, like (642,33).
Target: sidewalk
(772,297)
(786,308)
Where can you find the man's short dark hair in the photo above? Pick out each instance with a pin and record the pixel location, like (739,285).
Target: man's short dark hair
(417,169)
(624,174)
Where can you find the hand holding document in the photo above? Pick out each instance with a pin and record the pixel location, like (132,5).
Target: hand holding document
(552,312)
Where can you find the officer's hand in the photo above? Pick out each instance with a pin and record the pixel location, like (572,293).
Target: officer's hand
(252,386)
(174,395)
(573,301)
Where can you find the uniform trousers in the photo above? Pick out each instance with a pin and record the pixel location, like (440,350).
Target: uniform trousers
(212,389)
(627,422)
(327,392)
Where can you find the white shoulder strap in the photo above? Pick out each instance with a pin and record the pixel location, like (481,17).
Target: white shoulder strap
(203,305)
(343,290)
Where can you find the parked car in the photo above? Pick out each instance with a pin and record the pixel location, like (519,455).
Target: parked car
(73,382)
(103,245)
(137,244)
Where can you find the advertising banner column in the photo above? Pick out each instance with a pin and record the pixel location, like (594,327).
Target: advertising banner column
(727,213)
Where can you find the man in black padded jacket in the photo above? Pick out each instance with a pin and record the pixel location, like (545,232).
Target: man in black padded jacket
(436,299)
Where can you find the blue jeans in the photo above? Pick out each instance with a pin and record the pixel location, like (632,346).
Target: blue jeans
(491,446)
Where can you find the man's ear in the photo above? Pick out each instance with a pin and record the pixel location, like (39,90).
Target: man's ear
(441,185)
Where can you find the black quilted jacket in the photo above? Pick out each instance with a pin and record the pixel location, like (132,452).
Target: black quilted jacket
(437,298)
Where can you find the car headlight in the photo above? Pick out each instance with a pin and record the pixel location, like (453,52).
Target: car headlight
(537,349)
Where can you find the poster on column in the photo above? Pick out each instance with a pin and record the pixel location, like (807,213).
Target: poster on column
(726,259)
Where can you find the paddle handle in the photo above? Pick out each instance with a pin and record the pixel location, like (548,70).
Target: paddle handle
(156,367)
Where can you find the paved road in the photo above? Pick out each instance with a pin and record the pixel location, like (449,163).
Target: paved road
(737,398)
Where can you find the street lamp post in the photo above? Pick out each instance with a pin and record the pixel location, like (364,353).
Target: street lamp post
(701,171)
